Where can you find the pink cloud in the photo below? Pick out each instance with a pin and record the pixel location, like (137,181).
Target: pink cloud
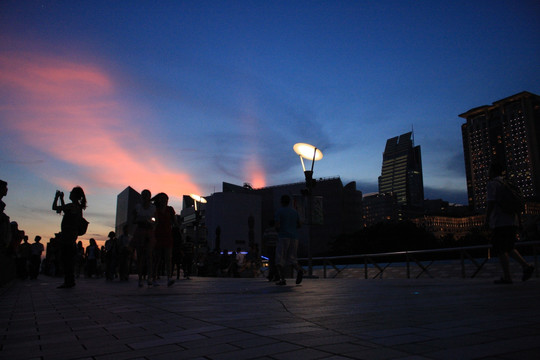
(68,110)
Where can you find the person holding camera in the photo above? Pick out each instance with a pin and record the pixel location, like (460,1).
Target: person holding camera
(73,214)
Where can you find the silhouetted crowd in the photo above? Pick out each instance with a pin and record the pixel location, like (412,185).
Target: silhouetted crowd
(153,250)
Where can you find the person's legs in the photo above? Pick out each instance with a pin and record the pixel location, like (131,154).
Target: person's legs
(281,259)
(504,259)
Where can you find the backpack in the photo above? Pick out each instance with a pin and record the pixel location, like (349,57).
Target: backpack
(83,226)
(511,198)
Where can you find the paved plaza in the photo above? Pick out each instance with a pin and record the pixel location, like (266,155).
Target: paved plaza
(227,318)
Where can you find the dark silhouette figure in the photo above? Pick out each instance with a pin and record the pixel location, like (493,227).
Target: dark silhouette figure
(176,252)
(92,257)
(124,254)
(23,259)
(287,224)
(143,237)
(111,256)
(504,226)
(79,259)
(36,249)
(165,220)
(73,213)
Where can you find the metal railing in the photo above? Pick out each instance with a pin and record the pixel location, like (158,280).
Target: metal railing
(413,258)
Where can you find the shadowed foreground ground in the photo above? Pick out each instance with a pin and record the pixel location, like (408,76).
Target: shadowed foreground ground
(223,318)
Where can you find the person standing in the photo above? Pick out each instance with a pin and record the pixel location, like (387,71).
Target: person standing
(92,256)
(111,256)
(36,250)
(165,220)
(124,254)
(143,237)
(504,225)
(73,213)
(287,223)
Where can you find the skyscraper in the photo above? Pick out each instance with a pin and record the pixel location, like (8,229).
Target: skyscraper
(401,172)
(508,131)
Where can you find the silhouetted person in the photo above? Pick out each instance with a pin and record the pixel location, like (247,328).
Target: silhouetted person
(504,226)
(143,237)
(165,220)
(124,254)
(176,252)
(73,213)
(287,224)
(111,255)
(23,259)
(5,227)
(92,257)
(36,250)
(79,259)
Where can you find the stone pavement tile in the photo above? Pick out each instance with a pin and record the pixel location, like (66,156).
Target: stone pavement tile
(155,341)
(380,353)
(331,338)
(197,353)
(495,348)
(260,351)
(304,354)
(399,339)
(342,348)
(139,354)
(416,348)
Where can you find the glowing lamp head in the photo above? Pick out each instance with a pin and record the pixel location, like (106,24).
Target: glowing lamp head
(198,198)
(309,152)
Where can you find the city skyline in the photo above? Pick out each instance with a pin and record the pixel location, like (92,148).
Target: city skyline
(181,97)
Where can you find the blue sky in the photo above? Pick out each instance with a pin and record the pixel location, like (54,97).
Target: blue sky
(179,96)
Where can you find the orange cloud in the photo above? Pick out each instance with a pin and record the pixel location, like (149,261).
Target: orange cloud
(67,110)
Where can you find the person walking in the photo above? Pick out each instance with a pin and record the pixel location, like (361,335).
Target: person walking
(287,223)
(504,225)
(73,214)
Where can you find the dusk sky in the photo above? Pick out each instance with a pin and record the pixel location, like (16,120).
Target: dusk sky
(180,96)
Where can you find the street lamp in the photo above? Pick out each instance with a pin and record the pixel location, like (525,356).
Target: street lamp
(309,152)
(197,198)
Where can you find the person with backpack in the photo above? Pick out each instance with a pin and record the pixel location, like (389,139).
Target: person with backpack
(504,219)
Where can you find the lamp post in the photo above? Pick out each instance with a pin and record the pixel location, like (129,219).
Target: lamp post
(309,152)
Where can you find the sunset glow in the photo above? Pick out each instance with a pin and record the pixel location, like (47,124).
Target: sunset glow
(68,111)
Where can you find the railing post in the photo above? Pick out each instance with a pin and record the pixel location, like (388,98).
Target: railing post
(324,268)
(408,265)
(462,257)
(365,268)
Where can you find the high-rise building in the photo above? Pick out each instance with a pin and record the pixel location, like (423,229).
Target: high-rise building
(401,173)
(507,131)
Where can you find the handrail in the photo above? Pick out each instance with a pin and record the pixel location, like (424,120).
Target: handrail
(410,257)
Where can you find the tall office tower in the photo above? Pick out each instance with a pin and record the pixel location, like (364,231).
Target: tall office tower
(508,131)
(401,172)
